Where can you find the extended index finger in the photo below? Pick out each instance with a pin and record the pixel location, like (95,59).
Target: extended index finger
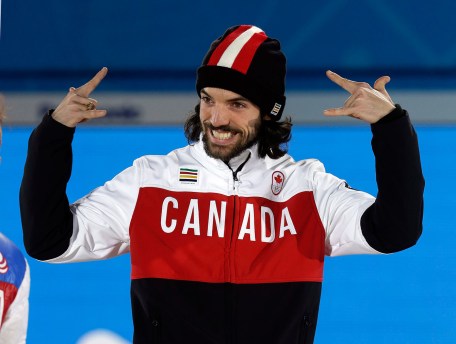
(92,84)
(348,85)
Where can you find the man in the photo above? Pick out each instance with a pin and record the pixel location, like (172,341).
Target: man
(228,235)
(14,283)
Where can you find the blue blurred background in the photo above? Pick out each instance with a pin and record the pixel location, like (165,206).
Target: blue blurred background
(158,44)
(153,48)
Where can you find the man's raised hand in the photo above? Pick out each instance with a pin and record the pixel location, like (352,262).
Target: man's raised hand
(77,107)
(367,103)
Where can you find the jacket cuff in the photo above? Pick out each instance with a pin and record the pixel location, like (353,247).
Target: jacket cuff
(51,130)
(398,112)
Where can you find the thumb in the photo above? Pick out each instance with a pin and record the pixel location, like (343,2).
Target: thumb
(380,83)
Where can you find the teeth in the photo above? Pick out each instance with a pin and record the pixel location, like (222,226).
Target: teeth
(222,135)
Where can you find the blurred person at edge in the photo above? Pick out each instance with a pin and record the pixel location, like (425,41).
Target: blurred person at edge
(227,236)
(14,282)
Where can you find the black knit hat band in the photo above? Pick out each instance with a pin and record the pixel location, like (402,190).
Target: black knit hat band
(245,61)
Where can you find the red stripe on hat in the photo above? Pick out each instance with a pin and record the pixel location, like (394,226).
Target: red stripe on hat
(245,56)
(218,52)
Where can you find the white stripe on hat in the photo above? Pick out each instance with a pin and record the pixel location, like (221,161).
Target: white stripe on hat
(232,51)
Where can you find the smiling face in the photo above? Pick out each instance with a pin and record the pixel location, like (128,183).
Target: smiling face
(229,121)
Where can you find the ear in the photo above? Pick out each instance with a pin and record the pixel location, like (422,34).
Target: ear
(267,118)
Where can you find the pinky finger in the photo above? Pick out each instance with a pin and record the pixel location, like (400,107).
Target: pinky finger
(89,114)
(337,112)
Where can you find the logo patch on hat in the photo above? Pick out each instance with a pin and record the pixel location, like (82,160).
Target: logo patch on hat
(278,179)
(188,175)
(276,109)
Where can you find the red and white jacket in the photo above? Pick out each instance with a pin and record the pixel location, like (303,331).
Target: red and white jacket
(274,223)
(220,256)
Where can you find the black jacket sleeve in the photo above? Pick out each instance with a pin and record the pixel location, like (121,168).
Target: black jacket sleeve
(394,221)
(47,221)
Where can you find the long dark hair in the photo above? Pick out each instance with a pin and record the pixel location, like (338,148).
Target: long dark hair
(273,137)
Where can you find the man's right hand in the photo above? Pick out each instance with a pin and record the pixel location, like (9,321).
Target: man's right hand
(77,107)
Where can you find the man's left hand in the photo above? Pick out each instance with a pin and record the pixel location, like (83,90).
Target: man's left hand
(366,103)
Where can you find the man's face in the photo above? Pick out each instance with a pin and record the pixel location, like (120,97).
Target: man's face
(230,123)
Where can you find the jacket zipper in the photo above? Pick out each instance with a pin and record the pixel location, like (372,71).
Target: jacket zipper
(230,295)
(235,173)
(229,268)
(235,218)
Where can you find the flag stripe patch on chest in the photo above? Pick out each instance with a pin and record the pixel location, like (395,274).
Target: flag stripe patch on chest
(188,175)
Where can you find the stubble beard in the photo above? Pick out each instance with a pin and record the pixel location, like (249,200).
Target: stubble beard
(227,153)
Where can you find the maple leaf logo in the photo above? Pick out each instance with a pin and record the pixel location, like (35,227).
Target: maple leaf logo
(277,182)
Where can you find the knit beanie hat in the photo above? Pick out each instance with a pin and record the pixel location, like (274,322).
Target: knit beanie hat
(246,61)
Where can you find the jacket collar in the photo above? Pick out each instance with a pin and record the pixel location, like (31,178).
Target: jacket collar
(201,155)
